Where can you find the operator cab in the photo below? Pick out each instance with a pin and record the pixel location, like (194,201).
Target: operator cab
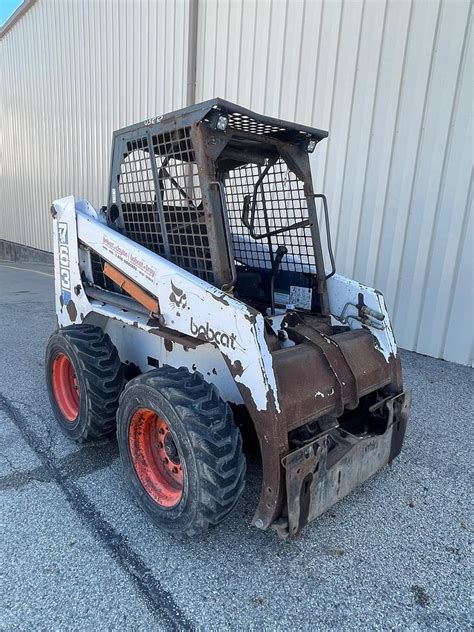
(227,195)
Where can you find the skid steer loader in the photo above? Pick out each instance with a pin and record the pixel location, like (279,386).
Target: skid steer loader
(197,302)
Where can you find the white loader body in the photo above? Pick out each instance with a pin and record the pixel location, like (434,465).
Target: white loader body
(188,305)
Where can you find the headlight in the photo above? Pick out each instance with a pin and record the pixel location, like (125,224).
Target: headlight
(222,122)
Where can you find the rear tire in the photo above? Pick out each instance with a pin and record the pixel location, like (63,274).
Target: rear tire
(84,379)
(172,413)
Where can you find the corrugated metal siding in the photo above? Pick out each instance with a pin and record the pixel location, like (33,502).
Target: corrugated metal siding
(71,73)
(392,81)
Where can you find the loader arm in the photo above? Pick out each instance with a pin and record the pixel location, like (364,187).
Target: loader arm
(187,304)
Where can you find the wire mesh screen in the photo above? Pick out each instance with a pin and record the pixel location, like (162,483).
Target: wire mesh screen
(167,216)
(181,196)
(138,197)
(245,123)
(279,202)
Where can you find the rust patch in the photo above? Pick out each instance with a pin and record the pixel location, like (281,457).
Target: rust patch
(236,368)
(176,337)
(251,317)
(220,299)
(71,310)
(168,344)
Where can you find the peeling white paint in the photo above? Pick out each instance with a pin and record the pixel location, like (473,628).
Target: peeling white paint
(234,328)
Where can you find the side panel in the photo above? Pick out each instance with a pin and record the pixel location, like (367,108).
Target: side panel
(142,348)
(343,300)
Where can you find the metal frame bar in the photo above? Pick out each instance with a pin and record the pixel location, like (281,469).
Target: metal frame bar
(159,201)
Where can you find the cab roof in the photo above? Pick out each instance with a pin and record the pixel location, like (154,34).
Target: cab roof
(240,119)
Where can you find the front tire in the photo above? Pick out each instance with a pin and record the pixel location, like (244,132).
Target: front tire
(84,379)
(180,449)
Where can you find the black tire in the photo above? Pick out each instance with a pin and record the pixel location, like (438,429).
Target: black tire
(208,443)
(98,376)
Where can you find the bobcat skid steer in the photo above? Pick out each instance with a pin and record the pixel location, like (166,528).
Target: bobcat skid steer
(198,301)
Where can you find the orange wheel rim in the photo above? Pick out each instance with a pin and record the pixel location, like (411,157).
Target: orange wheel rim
(156,458)
(65,387)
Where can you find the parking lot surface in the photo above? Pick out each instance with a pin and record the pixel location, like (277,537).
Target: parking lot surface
(78,554)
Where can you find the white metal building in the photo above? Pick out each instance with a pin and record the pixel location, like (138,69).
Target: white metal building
(391,81)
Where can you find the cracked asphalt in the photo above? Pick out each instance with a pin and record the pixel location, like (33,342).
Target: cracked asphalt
(77,554)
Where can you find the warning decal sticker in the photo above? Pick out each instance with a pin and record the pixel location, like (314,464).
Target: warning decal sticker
(301,296)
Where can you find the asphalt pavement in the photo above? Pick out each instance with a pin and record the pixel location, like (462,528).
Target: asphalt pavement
(77,554)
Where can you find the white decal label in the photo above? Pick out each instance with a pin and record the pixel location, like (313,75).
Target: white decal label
(301,296)
(136,263)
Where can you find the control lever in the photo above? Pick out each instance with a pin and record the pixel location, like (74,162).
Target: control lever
(280,253)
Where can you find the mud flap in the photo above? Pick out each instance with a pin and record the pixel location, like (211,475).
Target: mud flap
(324,471)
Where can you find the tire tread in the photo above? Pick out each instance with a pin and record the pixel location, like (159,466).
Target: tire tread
(216,440)
(101,369)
